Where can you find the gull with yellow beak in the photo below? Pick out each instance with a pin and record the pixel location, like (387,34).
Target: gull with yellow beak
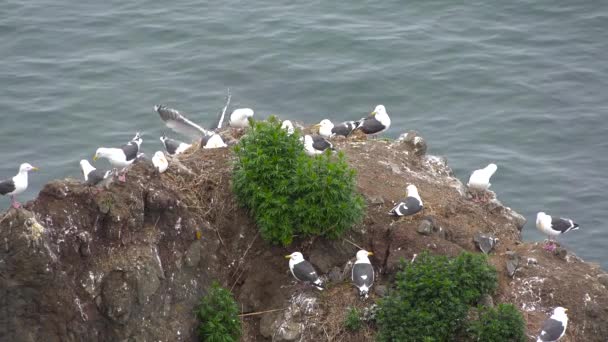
(328,130)
(377,122)
(123,156)
(303,271)
(17,184)
(363,273)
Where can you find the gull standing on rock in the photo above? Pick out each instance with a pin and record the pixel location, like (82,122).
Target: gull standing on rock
(316,144)
(553,227)
(303,271)
(328,130)
(92,176)
(377,122)
(123,156)
(240,117)
(410,205)
(160,162)
(479,182)
(17,184)
(174,147)
(555,326)
(363,273)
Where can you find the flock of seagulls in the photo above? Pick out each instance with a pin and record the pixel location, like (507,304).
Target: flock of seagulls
(375,123)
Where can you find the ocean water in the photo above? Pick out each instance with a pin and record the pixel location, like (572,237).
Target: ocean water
(520,83)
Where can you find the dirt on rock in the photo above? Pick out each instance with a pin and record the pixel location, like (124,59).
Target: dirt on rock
(130,262)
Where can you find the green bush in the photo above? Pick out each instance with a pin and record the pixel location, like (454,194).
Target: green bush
(431,297)
(353,320)
(289,193)
(218,312)
(503,323)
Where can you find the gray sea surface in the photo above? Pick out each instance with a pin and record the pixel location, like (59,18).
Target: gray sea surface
(521,83)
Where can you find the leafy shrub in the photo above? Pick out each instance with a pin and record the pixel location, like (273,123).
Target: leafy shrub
(290,193)
(353,320)
(503,323)
(218,312)
(432,296)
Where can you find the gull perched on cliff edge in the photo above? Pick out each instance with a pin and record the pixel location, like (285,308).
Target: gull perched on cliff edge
(17,184)
(174,147)
(316,144)
(410,205)
(303,271)
(555,326)
(328,130)
(121,157)
(479,182)
(553,227)
(240,117)
(377,122)
(363,273)
(160,162)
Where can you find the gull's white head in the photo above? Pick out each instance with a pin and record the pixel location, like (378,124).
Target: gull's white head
(295,257)
(137,139)
(160,156)
(26,167)
(379,111)
(288,126)
(363,255)
(412,190)
(491,168)
(560,311)
(326,123)
(325,127)
(163,138)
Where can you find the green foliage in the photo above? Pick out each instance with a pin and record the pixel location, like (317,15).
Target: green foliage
(353,320)
(432,296)
(503,323)
(290,193)
(218,312)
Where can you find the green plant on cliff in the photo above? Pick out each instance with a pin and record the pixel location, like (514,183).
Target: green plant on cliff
(431,297)
(352,322)
(218,312)
(289,193)
(503,323)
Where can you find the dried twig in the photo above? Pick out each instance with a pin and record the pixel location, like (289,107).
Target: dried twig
(260,312)
(352,243)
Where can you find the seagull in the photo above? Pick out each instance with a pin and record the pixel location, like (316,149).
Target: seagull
(174,147)
(328,130)
(555,326)
(303,271)
(240,117)
(179,123)
(17,184)
(480,181)
(160,162)
(377,122)
(363,273)
(553,227)
(92,176)
(212,140)
(410,205)
(123,156)
(288,126)
(316,144)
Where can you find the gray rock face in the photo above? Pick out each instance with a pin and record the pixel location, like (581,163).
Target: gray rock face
(487,301)
(118,296)
(603,279)
(512,263)
(485,242)
(425,227)
(413,142)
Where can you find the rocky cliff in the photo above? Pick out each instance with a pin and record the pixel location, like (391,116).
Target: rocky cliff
(130,262)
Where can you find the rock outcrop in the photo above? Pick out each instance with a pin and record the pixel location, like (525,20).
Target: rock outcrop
(131,262)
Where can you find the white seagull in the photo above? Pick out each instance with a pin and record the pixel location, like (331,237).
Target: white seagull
(553,226)
(555,326)
(17,184)
(377,122)
(288,126)
(91,175)
(328,130)
(212,140)
(160,162)
(303,271)
(410,205)
(479,182)
(123,156)
(240,117)
(316,144)
(174,147)
(363,273)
